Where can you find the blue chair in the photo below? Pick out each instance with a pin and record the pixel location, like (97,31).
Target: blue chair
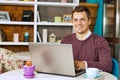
(115,69)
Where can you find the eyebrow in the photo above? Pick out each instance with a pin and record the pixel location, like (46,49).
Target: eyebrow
(79,19)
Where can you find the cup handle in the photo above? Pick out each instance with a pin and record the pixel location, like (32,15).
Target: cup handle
(100,72)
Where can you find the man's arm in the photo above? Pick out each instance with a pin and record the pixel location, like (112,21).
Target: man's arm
(104,57)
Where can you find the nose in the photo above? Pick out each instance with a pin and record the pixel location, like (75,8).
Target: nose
(79,22)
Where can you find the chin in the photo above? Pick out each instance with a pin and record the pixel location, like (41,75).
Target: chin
(80,32)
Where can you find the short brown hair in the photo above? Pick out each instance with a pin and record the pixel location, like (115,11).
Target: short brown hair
(81,9)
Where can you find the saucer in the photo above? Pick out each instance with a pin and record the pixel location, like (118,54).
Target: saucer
(29,76)
(99,77)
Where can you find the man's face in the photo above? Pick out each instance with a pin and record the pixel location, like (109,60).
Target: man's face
(81,22)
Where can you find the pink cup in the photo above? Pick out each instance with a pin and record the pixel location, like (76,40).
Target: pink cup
(29,71)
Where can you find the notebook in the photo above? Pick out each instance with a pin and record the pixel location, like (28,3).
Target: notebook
(53,58)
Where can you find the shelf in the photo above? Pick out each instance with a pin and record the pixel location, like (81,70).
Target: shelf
(57,4)
(30,3)
(89,5)
(32,23)
(13,43)
(110,5)
(16,23)
(55,24)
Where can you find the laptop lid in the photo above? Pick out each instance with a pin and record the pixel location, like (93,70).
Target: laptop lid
(53,58)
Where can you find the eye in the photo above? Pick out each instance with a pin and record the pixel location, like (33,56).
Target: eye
(83,19)
(75,20)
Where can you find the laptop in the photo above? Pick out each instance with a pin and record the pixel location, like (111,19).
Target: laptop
(53,58)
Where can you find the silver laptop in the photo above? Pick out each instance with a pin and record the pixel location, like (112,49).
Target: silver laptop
(53,58)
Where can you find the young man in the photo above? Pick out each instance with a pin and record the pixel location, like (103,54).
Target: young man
(89,50)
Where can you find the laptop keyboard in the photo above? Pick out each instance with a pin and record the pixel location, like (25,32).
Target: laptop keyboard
(80,71)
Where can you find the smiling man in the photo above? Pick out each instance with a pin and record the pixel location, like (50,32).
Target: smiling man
(89,49)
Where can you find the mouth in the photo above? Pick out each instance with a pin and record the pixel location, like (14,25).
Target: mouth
(79,27)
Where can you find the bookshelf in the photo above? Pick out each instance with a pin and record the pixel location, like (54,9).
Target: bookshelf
(16,25)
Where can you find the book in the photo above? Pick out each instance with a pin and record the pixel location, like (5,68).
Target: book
(38,16)
(39,38)
(27,15)
(0,36)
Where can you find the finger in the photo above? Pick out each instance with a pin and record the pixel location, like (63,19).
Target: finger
(77,67)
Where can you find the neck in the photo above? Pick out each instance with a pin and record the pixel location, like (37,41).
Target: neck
(83,36)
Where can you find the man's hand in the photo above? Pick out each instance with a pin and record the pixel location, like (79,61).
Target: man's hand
(79,65)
